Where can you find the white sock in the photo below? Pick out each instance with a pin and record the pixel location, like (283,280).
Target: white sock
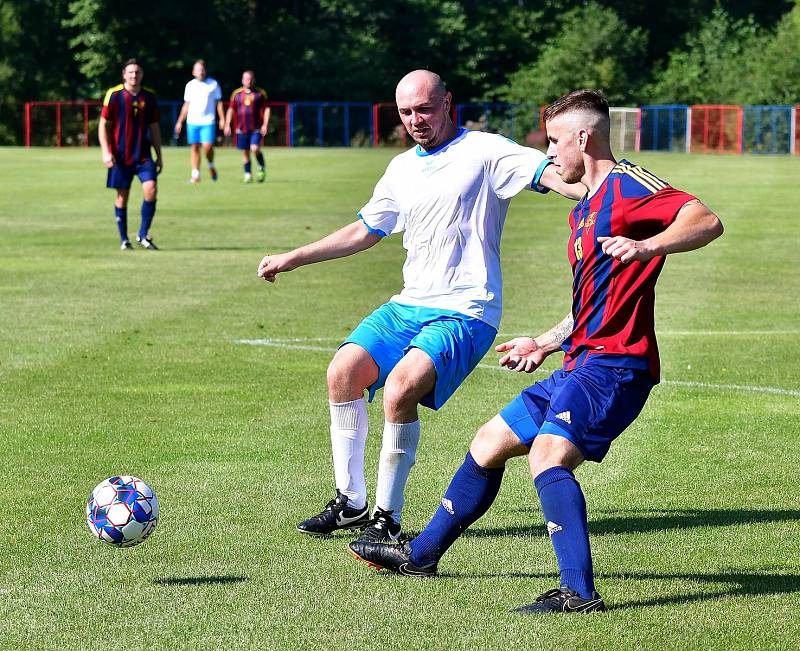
(348,440)
(398,454)
(195,173)
(211,166)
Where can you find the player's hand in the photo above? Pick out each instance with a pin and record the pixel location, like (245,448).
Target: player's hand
(159,165)
(178,126)
(108,159)
(625,249)
(523,354)
(263,130)
(221,124)
(272,265)
(227,130)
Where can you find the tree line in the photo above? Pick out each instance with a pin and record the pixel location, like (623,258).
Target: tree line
(526,51)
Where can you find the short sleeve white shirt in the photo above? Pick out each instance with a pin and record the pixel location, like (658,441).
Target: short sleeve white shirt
(202,97)
(450,203)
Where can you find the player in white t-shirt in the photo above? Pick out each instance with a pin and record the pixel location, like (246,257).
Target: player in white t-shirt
(202,98)
(449,197)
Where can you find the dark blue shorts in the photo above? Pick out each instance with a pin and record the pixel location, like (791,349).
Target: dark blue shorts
(247,140)
(589,406)
(121,176)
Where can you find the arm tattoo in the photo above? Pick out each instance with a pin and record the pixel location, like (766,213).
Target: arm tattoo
(558,333)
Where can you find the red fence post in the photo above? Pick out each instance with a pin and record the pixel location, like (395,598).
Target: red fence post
(27,124)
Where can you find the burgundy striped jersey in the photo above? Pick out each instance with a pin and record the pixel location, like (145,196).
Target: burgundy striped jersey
(130,117)
(614,302)
(248,107)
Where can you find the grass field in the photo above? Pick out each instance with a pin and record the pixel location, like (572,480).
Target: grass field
(117,362)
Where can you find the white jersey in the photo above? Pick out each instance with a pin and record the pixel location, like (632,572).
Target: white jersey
(450,203)
(202,97)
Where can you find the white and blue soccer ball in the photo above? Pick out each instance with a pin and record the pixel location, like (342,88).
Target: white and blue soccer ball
(122,511)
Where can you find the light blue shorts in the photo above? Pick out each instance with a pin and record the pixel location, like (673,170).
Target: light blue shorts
(201,133)
(454,342)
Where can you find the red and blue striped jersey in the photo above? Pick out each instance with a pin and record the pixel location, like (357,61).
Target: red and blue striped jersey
(613,304)
(249,107)
(130,117)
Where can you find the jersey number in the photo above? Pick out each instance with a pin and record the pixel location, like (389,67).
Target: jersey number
(578,248)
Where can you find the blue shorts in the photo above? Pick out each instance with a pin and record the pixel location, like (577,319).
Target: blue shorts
(454,342)
(589,406)
(249,139)
(121,176)
(201,133)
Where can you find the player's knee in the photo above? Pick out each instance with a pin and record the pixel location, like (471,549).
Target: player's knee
(494,444)
(344,382)
(397,396)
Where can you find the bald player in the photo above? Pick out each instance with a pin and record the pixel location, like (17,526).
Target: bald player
(448,196)
(622,230)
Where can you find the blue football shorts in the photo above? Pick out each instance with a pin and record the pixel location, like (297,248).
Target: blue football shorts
(590,406)
(249,139)
(120,176)
(454,342)
(201,133)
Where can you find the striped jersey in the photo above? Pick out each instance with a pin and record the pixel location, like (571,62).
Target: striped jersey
(130,117)
(248,107)
(613,304)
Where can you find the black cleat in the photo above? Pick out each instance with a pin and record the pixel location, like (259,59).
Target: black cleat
(562,600)
(337,516)
(147,243)
(381,528)
(395,558)
(126,246)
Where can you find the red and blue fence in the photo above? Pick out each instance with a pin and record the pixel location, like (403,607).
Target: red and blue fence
(701,128)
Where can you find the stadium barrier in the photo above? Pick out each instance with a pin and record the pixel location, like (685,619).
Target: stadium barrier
(715,128)
(664,127)
(625,127)
(513,121)
(701,128)
(767,129)
(337,124)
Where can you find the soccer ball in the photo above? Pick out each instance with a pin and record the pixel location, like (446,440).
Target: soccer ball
(122,511)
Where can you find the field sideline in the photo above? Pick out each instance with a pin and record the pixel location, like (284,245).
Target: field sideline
(179,366)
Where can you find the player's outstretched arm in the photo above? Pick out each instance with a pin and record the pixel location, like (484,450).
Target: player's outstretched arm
(526,354)
(552,179)
(346,241)
(694,227)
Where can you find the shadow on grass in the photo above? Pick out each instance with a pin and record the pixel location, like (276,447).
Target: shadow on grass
(200,580)
(650,520)
(734,584)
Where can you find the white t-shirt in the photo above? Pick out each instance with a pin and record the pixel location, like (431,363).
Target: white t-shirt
(202,97)
(450,203)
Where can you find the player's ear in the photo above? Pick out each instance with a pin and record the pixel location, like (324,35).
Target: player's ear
(448,98)
(582,139)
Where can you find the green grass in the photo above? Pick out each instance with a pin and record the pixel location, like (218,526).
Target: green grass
(129,363)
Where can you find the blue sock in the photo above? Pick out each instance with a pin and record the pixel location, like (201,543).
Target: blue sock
(248,167)
(260,159)
(469,495)
(564,510)
(148,212)
(121,215)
